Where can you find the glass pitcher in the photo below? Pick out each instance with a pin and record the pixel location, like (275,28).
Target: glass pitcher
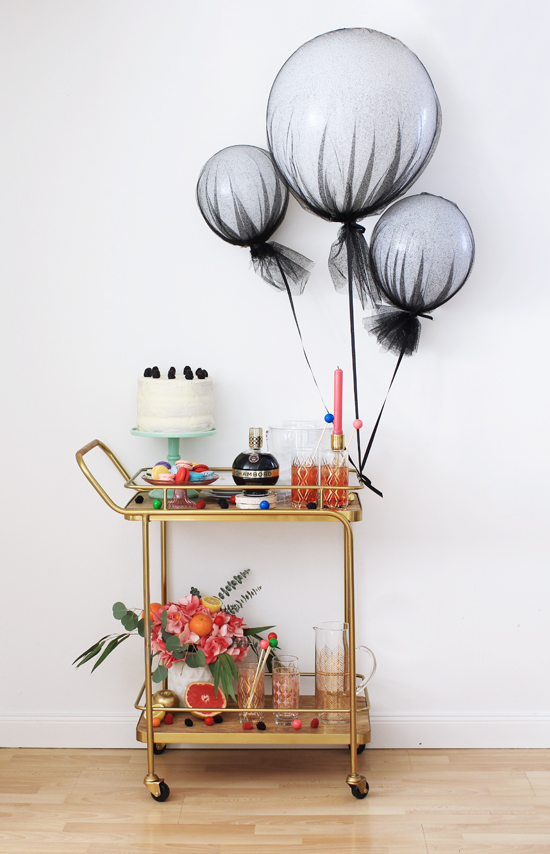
(332,675)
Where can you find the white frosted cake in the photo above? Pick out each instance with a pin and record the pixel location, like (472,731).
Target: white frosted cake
(178,405)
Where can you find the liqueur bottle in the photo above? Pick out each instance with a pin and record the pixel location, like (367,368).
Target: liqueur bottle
(335,473)
(255,466)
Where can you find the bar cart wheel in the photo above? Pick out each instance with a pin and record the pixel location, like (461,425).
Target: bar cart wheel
(360,748)
(164,792)
(356,792)
(158,749)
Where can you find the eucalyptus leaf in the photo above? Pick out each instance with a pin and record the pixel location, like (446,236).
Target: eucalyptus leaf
(159,674)
(141,628)
(119,610)
(172,643)
(255,630)
(96,646)
(109,648)
(164,619)
(129,621)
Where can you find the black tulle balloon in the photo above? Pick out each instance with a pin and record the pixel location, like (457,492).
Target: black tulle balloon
(352,121)
(422,251)
(244,201)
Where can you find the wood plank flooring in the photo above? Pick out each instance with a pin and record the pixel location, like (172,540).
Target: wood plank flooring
(265,802)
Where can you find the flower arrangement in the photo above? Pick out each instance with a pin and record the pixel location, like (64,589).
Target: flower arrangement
(200,631)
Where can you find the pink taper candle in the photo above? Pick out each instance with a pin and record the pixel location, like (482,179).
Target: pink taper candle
(338,384)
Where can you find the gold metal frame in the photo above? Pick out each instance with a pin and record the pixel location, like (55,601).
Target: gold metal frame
(145,513)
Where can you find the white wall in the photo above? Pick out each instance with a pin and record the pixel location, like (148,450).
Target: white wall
(109,109)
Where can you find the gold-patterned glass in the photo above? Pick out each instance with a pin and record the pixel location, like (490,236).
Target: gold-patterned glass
(254,702)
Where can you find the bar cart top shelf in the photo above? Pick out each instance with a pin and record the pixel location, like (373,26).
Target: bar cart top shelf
(135,511)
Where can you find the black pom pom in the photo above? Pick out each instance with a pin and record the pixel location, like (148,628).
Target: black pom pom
(139,499)
(147,372)
(172,374)
(188,722)
(218,719)
(156,373)
(224,504)
(311,505)
(261,726)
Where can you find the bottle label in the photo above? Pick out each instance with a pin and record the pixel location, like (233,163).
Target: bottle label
(253,458)
(256,475)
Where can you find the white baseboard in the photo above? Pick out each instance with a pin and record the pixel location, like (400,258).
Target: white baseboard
(388,731)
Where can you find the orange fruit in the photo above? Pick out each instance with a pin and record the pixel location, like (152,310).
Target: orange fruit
(156,722)
(153,607)
(201,624)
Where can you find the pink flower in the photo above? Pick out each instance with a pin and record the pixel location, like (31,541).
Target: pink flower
(191,605)
(212,647)
(238,651)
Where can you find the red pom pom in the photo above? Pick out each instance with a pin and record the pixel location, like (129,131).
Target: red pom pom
(357,424)
(168,718)
(314,723)
(233,499)
(272,635)
(218,619)
(201,505)
(209,721)
(264,644)
(297,723)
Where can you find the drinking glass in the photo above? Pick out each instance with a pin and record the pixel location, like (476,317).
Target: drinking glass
(305,473)
(245,682)
(286,688)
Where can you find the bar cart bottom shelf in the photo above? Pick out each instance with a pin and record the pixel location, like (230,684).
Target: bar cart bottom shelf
(231,731)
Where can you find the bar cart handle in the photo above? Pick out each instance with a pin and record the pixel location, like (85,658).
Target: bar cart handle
(96,443)
(363,684)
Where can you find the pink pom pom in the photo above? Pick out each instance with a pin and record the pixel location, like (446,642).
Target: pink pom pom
(357,424)
(264,644)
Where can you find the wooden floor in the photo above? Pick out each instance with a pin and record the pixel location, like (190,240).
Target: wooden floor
(283,801)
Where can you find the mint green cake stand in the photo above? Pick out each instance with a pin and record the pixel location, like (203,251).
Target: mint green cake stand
(173,454)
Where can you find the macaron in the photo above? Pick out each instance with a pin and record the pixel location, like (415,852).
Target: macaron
(186,463)
(183,475)
(167,478)
(156,470)
(163,463)
(197,476)
(200,467)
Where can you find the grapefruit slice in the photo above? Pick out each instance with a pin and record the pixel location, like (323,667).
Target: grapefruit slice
(201,695)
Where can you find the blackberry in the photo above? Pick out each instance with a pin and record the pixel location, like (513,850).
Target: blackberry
(188,722)
(261,726)
(224,504)
(147,372)
(205,373)
(172,374)
(311,505)
(218,719)
(156,373)
(188,376)
(187,369)
(139,499)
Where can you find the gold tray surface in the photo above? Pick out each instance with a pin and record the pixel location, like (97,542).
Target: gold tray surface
(231,731)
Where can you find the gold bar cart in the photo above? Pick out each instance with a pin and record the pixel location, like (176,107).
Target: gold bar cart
(357,734)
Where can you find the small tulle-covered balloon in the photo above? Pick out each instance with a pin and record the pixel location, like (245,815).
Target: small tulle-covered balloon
(422,251)
(244,201)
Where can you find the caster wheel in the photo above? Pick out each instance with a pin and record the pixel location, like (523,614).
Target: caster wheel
(357,794)
(360,748)
(158,749)
(164,793)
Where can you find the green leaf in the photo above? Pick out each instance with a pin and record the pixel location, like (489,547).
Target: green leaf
(255,630)
(159,674)
(141,628)
(109,648)
(119,610)
(215,670)
(179,653)
(164,619)
(172,643)
(129,621)
(196,659)
(93,650)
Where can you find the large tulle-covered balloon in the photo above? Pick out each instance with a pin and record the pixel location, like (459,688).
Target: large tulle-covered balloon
(243,200)
(422,251)
(352,121)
